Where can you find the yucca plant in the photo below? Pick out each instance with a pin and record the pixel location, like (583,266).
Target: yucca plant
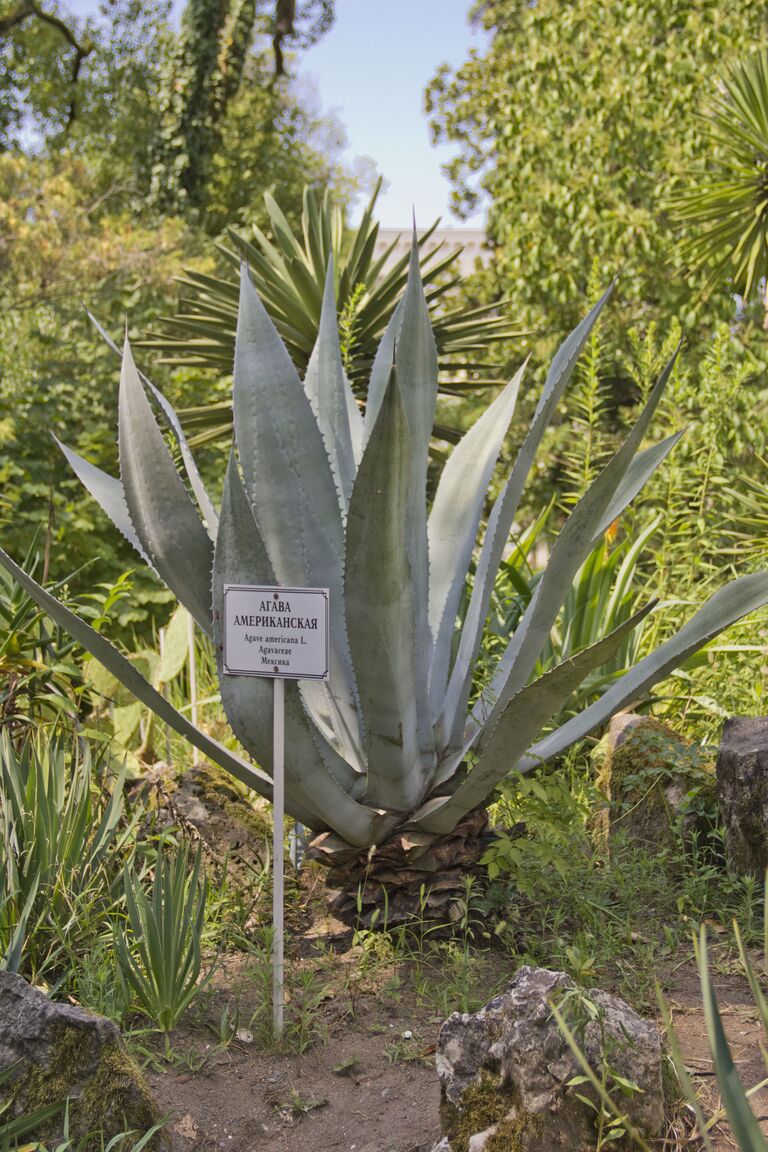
(160,956)
(62,844)
(288,271)
(386,761)
(728,210)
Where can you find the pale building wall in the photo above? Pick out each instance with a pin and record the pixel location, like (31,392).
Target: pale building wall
(472,240)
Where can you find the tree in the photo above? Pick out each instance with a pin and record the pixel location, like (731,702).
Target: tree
(204,75)
(577,122)
(151,105)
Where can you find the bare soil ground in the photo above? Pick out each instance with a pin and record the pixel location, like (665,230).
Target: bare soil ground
(366,1081)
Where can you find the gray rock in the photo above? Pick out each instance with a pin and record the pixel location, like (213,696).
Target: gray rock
(742,793)
(504,1071)
(61,1051)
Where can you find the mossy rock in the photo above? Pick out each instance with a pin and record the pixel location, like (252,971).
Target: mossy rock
(61,1052)
(507,1073)
(659,787)
(231,823)
(492,1108)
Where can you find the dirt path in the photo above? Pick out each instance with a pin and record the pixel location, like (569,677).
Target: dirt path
(368,1084)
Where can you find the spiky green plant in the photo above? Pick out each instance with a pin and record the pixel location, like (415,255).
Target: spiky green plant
(160,958)
(728,210)
(387,752)
(288,270)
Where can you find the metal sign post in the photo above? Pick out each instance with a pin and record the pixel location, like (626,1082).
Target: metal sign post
(281,633)
(278,878)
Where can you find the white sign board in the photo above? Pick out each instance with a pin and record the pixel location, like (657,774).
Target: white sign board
(277,632)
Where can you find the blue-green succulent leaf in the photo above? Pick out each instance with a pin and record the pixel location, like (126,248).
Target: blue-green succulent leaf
(573,545)
(161,511)
(193,474)
(523,717)
(332,399)
(453,526)
(108,492)
(724,608)
(127,674)
(451,723)
(380,593)
(290,486)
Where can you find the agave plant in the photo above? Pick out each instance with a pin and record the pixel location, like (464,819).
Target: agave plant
(386,761)
(289,274)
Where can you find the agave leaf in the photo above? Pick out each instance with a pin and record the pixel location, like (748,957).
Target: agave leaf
(165,519)
(416,369)
(722,609)
(573,545)
(317,779)
(108,492)
(243,559)
(380,594)
(195,479)
(454,522)
(741,1118)
(523,717)
(290,486)
(450,725)
(121,667)
(637,475)
(381,369)
(332,399)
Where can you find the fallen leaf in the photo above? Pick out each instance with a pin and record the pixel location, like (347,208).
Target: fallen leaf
(186,1127)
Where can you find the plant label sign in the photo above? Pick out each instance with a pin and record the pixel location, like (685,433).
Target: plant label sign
(277,632)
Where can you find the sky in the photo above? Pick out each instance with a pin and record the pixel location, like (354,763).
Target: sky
(372,69)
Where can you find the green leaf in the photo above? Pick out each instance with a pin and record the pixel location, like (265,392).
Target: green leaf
(165,519)
(380,593)
(453,526)
(175,647)
(122,668)
(290,487)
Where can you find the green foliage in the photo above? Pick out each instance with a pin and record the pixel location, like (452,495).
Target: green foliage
(38,676)
(135,733)
(390,734)
(60,251)
(289,269)
(64,839)
(725,210)
(603,596)
(159,953)
(578,121)
(559,899)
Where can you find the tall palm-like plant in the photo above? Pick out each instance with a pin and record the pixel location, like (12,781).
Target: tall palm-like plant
(288,271)
(728,212)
